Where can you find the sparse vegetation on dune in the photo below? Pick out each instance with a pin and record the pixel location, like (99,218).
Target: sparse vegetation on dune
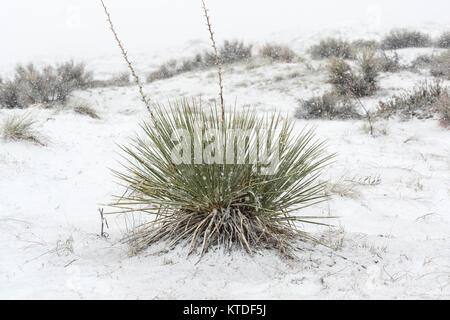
(46,85)
(404,38)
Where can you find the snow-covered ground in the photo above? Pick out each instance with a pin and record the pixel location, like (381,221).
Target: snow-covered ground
(392,239)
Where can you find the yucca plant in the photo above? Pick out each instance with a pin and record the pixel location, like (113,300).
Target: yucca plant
(240,189)
(211,178)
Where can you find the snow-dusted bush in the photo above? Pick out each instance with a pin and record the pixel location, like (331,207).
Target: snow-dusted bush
(388,62)
(216,179)
(444,40)
(47,85)
(347,83)
(422,61)
(442,107)
(229,52)
(20,128)
(416,103)
(165,71)
(277,52)
(440,65)
(368,63)
(332,47)
(117,80)
(235,51)
(403,38)
(329,106)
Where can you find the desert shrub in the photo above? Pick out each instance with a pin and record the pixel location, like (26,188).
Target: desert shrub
(234,51)
(364,44)
(332,47)
(10,93)
(340,75)
(20,128)
(46,86)
(442,108)
(440,65)
(444,40)
(165,71)
(422,61)
(118,80)
(223,200)
(369,66)
(328,106)
(230,52)
(346,82)
(388,63)
(276,52)
(402,38)
(417,103)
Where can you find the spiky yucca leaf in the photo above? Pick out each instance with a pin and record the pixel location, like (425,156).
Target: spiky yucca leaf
(261,173)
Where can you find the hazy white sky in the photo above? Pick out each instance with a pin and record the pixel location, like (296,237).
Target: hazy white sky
(30,28)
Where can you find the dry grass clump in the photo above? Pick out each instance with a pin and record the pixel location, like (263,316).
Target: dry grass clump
(230,52)
(418,103)
(444,40)
(277,52)
(86,110)
(403,38)
(47,85)
(165,71)
(20,128)
(332,47)
(329,106)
